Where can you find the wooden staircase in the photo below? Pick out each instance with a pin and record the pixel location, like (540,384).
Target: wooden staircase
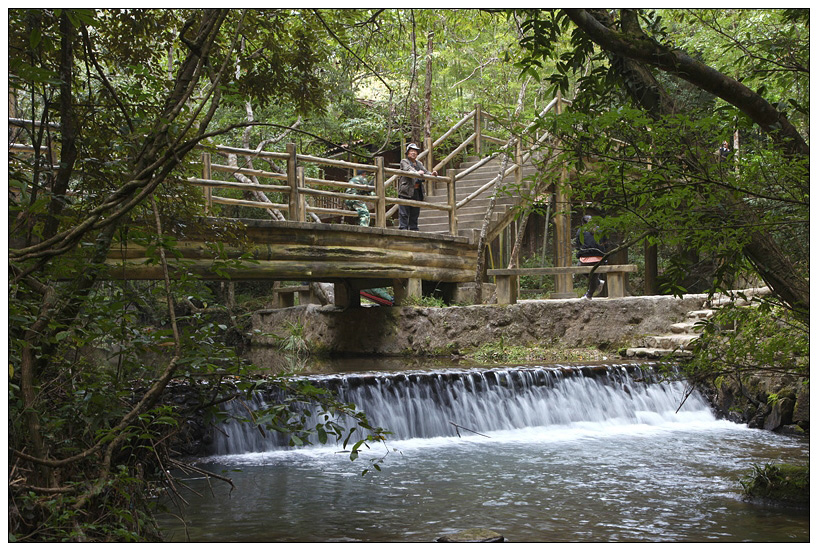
(470,217)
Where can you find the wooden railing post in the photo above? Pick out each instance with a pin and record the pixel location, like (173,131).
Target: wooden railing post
(429,158)
(452,191)
(380,192)
(207,175)
(292,181)
(300,200)
(478,130)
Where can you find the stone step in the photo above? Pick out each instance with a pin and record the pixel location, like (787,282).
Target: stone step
(671,342)
(475,217)
(470,217)
(478,202)
(464,187)
(646,352)
(685,327)
(700,314)
(463,215)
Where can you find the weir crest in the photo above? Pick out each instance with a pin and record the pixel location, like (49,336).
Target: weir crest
(451,402)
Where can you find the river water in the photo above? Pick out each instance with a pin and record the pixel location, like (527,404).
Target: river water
(553,458)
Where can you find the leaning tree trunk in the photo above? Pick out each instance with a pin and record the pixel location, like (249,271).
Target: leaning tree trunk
(633,49)
(480,272)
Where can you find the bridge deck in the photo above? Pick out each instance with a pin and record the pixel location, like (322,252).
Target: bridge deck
(309,252)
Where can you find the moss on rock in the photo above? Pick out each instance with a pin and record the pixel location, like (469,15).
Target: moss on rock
(783,483)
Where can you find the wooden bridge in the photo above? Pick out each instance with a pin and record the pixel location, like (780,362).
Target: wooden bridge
(350,257)
(304,237)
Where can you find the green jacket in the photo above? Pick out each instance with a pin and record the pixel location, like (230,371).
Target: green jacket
(360,180)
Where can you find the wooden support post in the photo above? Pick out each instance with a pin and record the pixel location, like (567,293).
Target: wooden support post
(405,288)
(292,181)
(478,130)
(307,297)
(346,296)
(301,199)
(207,175)
(506,289)
(616,284)
(380,192)
(451,190)
(276,302)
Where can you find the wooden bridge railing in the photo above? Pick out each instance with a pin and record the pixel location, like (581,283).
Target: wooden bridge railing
(296,187)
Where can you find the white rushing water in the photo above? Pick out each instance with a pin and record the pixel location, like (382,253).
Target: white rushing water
(516,403)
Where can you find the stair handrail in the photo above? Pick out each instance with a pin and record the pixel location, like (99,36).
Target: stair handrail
(513,166)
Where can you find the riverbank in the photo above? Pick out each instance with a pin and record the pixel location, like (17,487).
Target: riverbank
(603,324)
(546,331)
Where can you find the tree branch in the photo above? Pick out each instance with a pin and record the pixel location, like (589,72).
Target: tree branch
(676,62)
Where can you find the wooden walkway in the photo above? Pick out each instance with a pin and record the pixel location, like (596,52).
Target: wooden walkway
(351,257)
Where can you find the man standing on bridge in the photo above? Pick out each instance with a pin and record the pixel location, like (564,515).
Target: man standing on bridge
(411,188)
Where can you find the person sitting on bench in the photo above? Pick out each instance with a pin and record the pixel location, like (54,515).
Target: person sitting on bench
(590,252)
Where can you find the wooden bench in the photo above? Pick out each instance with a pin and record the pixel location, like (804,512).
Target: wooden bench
(507,278)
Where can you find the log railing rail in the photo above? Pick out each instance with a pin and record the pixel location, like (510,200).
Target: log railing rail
(296,186)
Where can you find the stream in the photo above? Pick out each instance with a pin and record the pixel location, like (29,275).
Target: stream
(537,454)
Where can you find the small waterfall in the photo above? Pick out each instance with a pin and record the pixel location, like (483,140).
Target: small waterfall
(430,404)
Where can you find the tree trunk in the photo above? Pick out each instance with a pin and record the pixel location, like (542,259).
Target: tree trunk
(427,104)
(61,306)
(414,108)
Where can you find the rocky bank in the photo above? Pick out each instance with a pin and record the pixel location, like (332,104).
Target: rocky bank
(602,323)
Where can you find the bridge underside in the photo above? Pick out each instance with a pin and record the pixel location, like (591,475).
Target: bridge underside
(359,257)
